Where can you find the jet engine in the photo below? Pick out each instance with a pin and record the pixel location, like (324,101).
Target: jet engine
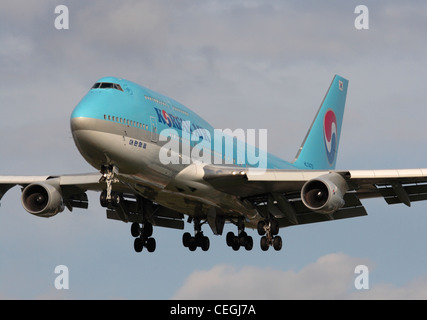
(324,194)
(42,199)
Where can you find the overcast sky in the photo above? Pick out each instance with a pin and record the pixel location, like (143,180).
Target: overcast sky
(239,64)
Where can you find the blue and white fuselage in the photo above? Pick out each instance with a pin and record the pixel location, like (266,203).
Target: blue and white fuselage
(122,125)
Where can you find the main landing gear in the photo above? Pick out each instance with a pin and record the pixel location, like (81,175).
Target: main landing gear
(241,239)
(199,240)
(142,236)
(269,230)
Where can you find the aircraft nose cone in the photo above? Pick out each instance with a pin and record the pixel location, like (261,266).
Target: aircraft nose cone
(79,123)
(89,141)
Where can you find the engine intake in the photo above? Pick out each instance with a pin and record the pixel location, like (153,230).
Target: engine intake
(42,199)
(324,194)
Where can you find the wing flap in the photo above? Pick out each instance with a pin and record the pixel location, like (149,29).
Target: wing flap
(412,193)
(344,213)
(302,215)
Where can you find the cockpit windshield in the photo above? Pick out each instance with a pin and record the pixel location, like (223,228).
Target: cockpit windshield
(107,85)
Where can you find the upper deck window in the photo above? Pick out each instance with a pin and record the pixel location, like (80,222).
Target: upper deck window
(107,85)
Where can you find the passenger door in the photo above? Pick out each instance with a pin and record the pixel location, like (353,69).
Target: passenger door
(154,136)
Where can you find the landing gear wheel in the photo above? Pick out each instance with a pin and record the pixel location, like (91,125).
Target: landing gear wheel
(261,228)
(205,244)
(277,243)
(151,244)
(264,243)
(116,199)
(113,202)
(249,243)
(192,246)
(236,244)
(147,230)
(138,244)
(135,230)
(230,238)
(274,226)
(103,199)
(186,239)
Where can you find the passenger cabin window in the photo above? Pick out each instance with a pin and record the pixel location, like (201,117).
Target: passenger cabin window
(107,85)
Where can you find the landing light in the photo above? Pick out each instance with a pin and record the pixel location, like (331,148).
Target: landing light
(242,173)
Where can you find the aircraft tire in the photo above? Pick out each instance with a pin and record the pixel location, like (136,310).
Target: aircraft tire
(264,243)
(138,244)
(116,199)
(236,244)
(274,227)
(186,239)
(147,231)
(249,243)
(192,245)
(277,243)
(230,238)
(103,199)
(205,243)
(151,244)
(135,230)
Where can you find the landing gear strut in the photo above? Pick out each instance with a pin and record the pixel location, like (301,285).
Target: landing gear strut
(199,240)
(241,240)
(108,197)
(269,230)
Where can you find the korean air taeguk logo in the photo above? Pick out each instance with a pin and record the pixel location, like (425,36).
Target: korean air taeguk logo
(330,135)
(167,118)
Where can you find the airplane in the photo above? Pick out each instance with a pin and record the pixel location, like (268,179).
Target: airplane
(122,129)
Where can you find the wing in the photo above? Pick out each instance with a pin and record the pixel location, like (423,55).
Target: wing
(45,196)
(72,188)
(285,194)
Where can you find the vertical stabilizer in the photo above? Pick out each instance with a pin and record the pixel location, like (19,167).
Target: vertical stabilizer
(320,147)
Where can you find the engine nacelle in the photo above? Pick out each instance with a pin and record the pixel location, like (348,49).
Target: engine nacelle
(324,194)
(42,199)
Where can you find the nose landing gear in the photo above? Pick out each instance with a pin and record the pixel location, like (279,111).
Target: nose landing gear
(108,197)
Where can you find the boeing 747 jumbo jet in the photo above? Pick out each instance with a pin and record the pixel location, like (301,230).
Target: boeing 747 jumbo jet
(159,163)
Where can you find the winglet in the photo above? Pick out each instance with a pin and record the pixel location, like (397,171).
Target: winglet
(320,147)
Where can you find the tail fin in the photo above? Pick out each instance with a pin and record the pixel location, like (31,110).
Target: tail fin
(320,146)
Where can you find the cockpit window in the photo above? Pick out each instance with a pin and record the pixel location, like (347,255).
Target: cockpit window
(107,85)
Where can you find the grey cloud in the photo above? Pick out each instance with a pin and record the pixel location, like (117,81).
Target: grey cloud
(330,277)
